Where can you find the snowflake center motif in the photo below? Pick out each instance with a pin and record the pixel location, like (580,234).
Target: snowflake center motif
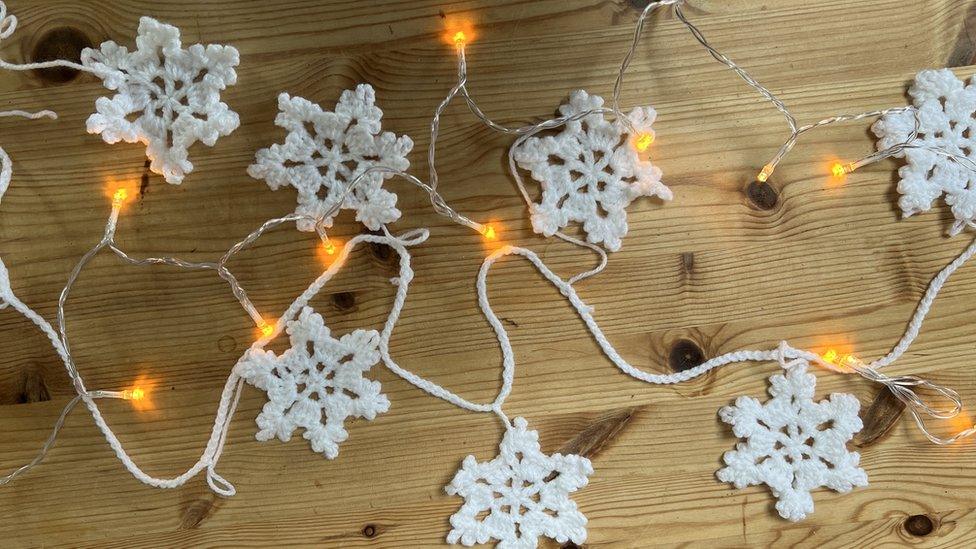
(168,98)
(944,117)
(520,495)
(316,384)
(793,444)
(590,172)
(324,153)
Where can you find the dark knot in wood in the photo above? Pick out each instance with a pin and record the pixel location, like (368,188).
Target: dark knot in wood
(60,43)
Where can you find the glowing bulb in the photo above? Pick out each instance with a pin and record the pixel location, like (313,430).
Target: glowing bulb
(643,141)
(765,173)
(839,170)
(330,248)
(137,393)
(830,356)
(266,329)
(459,38)
(489,232)
(120,196)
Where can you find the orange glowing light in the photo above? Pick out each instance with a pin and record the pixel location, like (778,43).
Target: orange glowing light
(120,195)
(330,248)
(830,356)
(489,232)
(136,393)
(458,32)
(643,141)
(838,170)
(266,329)
(765,173)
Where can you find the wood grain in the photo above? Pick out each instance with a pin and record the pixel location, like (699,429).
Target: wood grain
(728,265)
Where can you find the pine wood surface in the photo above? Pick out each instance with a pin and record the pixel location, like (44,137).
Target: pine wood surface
(727,265)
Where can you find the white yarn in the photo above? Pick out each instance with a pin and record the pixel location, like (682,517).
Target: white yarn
(316,384)
(174,91)
(943,118)
(210,454)
(591,171)
(793,444)
(524,492)
(324,152)
(6,166)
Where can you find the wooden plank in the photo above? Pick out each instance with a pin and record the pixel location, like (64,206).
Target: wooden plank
(721,268)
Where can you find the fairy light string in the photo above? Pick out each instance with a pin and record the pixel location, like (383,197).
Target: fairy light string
(905,388)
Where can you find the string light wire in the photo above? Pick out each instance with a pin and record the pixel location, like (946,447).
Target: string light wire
(904,387)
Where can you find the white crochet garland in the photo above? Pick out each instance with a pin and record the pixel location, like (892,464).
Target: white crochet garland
(589,174)
(325,152)
(174,91)
(591,171)
(793,444)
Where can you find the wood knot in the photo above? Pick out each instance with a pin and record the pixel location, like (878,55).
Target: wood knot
(762,195)
(60,43)
(33,388)
(381,252)
(599,433)
(197,511)
(919,525)
(685,355)
(879,418)
(639,5)
(226,344)
(344,301)
(370,531)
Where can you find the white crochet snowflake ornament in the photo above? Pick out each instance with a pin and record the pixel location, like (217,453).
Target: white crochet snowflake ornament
(168,98)
(793,444)
(324,152)
(946,118)
(525,492)
(316,384)
(590,172)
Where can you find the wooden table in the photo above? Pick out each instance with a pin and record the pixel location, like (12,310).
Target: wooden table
(728,265)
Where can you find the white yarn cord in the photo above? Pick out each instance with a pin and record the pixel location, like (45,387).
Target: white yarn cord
(8,24)
(903,387)
(6,166)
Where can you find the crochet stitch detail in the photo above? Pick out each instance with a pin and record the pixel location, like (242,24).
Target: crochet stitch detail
(525,492)
(326,151)
(174,91)
(590,172)
(793,444)
(316,384)
(946,111)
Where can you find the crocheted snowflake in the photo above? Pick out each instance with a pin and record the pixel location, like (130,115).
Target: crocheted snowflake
(325,152)
(316,384)
(946,111)
(590,172)
(793,444)
(168,97)
(524,492)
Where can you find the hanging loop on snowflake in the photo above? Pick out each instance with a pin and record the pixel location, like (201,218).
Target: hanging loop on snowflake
(325,152)
(174,92)
(524,492)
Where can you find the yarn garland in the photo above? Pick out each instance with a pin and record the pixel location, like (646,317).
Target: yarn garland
(318,383)
(174,91)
